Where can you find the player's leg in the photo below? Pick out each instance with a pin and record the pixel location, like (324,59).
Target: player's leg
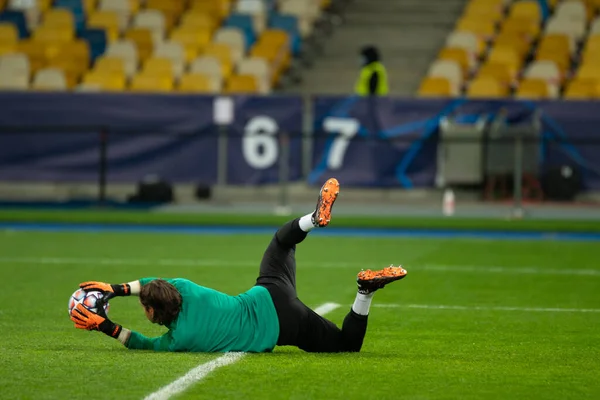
(279,260)
(278,266)
(321,335)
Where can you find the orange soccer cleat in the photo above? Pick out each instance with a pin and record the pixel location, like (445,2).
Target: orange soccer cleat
(371,281)
(329,192)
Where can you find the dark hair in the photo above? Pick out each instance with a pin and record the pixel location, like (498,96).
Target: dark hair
(164,298)
(371,54)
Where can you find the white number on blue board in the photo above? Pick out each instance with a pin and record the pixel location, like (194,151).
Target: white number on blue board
(259,144)
(346,128)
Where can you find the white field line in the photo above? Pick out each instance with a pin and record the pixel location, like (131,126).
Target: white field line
(177,262)
(200,372)
(490,308)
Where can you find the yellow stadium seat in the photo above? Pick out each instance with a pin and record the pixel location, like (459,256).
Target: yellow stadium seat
(533,89)
(142,38)
(486,87)
(195,83)
(78,50)
(591,56)
(507,56)
(44,5)
(435,87)
(194,19)
(71,70)
(274,37)
(594,5)
(499,72)
(193,40)
(518,42)
(8,34)
(53,38)
(483,7)
(273,45)
(591,50)
(456,54)
(485,30)
(59,17)
(171,9)
(110,65)
(51,34)
(73,59)
(582,89)
(105,80)
(158,66)
(107,20)
(216,8)
(8,48)
(221,52)
(37,53)
(242,84)
(273,58)
(525,27)
(89,6)
(589,72)
(146,82)
(561,59)
(135,5)
(558,42)
(527,10)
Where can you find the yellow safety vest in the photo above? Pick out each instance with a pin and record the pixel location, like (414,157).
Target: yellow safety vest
(362,86)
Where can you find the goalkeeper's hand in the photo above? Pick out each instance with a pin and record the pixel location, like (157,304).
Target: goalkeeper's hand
(85,319)
(107,289)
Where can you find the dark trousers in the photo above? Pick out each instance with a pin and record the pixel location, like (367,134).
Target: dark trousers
(299,325)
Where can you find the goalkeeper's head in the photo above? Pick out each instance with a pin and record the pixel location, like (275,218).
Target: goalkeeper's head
(161,301)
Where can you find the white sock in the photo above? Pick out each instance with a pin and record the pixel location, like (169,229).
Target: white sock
(306,223)
(362,303)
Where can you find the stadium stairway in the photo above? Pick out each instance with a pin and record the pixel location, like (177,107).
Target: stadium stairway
(409,34)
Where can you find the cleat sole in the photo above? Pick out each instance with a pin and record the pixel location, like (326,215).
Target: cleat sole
(327,197)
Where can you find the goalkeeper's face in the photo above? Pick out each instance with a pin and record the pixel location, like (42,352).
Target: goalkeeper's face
(149,311)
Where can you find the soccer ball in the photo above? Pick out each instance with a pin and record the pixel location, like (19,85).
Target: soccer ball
(88,299)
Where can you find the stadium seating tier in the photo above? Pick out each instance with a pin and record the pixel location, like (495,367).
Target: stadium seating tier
(509,48)
(152,45)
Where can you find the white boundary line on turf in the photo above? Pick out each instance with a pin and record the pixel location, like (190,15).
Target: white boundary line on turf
(225,263)
(200,372)
(490,308)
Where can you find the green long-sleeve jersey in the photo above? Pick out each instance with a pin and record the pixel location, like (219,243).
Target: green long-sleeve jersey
(211,321)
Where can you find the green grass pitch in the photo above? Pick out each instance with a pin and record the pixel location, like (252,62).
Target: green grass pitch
(474,319)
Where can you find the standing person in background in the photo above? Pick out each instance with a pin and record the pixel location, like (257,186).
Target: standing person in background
(373,76)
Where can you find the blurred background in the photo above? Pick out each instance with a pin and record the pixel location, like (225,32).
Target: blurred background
(476,108)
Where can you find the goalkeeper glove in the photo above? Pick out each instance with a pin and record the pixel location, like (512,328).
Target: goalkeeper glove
(85,319)
(107,289)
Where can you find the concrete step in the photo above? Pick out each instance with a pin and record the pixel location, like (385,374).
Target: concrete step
(409,33)
(399,20)
(335,81)
(418,6)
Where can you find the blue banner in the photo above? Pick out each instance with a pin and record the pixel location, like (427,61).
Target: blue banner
(57,137)
(386,142)
(254,148)
(381,142)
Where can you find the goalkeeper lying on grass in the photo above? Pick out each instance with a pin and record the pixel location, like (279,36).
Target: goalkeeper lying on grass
(204,320)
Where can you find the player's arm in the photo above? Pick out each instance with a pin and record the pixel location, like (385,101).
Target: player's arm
(113,290)
(137,341)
